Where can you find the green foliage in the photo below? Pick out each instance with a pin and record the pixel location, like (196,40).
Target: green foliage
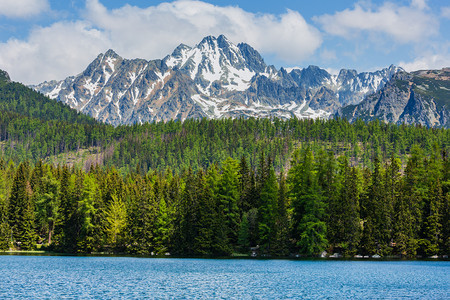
(48,204)
(87,209)
(116,218)
(177,187)
(308,203)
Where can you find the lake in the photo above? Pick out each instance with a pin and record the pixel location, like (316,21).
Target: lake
(56,277)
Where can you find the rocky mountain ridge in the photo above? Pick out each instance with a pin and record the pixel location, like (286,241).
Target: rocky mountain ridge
(213,79)
(421,97)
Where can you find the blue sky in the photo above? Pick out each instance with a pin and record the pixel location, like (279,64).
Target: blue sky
(52,39)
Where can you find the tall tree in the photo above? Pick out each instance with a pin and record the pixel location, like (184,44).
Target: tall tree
(228,195)
(267,210)
(48,204)
(308,205)
(87,208)
(21,209)
(116,218)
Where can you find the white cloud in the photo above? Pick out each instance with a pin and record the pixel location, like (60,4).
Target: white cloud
(404,24)
(420,4)
(22,8)
(153,32)
(64,49)
(427,62)
(445,12)
(54,52)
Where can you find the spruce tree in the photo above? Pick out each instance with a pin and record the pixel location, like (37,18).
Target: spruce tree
(228,195)
(308,204)
(267,211)
(21,210)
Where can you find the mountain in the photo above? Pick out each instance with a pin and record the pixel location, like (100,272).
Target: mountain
(213,79)
(4,76)
(20,100)
(421,97)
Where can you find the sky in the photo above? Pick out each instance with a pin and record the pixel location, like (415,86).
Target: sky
(43,40)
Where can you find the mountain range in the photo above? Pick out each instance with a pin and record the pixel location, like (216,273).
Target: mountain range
(213,79)
(421,97)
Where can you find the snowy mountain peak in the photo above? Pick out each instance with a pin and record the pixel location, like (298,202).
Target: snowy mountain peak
(213,79)
(111,53)
(216,61)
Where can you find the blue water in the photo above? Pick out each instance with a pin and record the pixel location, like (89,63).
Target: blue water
(59,277)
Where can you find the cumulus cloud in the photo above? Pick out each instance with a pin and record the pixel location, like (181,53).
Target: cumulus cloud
(64,49)
(420,4)
(154,31)
(22,8)
(427,62)
(54,52)
(404,24)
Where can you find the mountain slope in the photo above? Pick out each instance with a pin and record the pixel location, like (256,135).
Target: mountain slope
(213,79)
(19,99)
(421,97)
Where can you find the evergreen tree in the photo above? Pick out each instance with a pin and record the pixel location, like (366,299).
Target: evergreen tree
(244,235)
(280,247)
(308,205)
(116,218)
(267,211)
(67,226)
(87,208)
(48,205)
(164,228)
(21,209)
(432,225)
(344,222)
(228,195)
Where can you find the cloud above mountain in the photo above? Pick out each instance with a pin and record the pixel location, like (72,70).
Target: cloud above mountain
(22,8)
(66,42)
(65,48)
(403,24)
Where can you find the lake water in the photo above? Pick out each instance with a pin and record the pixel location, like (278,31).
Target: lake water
(57,277)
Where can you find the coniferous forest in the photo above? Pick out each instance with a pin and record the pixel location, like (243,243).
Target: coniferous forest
(218,187)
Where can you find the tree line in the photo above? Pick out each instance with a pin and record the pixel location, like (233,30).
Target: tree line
(321,202)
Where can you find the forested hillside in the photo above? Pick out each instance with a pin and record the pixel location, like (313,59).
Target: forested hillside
(216,187)
(33,126)
(320,203)
(200,143)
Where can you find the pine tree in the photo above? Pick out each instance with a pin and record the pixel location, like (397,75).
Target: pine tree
(88,239)
(21,209)
(267,211)
(116,218)
(163,228)
(344,222)
(228,195)
(280,247)
(67,225)
(244,235)
(432,225)
(308,204)
(48,205)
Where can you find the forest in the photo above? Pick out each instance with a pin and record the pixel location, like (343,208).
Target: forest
(321,203)
(219,187)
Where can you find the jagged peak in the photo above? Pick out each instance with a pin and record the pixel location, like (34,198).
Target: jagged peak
(180,49)
(313,67)
(209,40)
(110,53)
(212,42)
(4,76)
(223,38)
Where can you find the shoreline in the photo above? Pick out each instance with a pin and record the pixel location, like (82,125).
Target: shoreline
(236,257)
